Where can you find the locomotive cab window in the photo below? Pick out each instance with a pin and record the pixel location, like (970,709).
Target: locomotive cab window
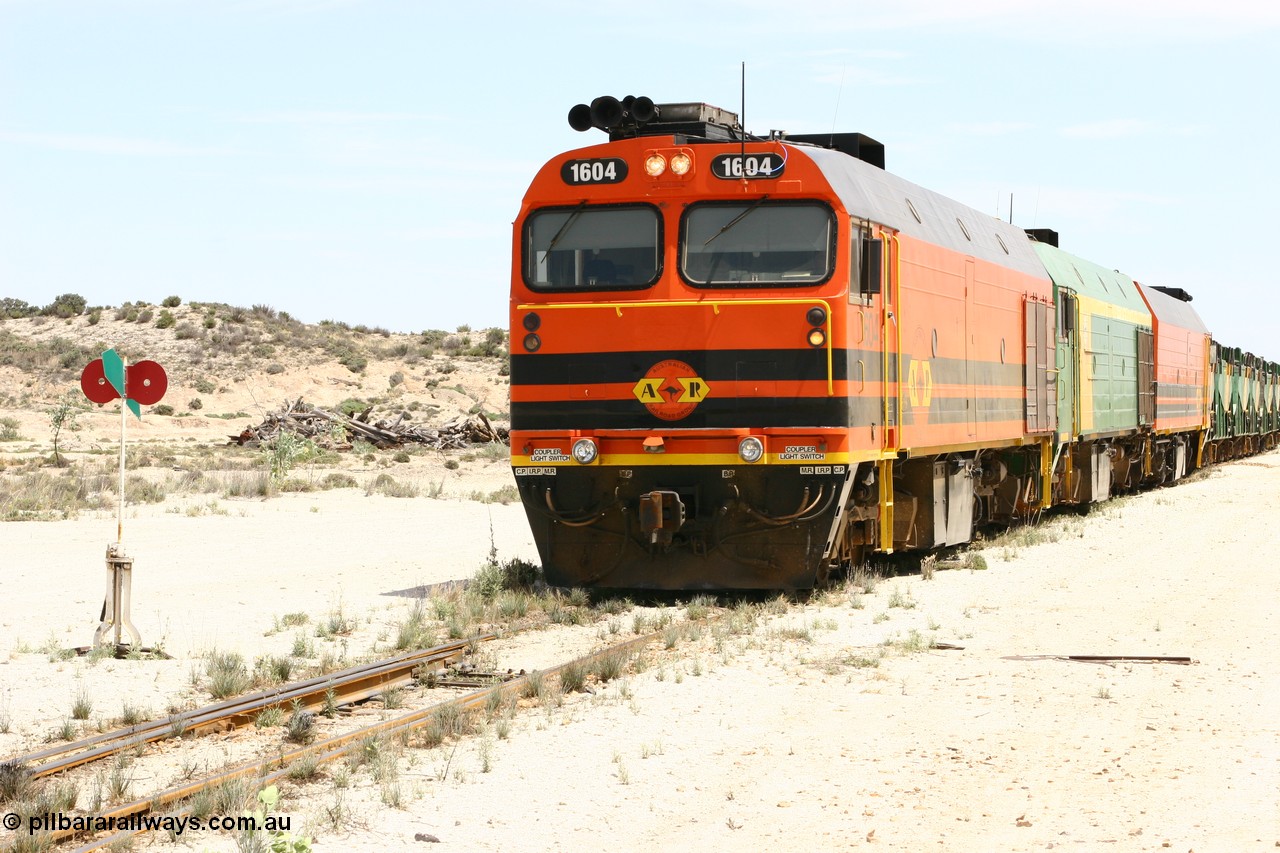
(597,248)
(758,243)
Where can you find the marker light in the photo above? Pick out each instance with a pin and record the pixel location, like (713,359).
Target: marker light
(532,342)
(585,451)
(817,337)
(655,165)
(816,316)
(751,449)
(681,163)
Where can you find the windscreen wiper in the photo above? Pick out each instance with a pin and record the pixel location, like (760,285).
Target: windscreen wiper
(573,217)
(741,216)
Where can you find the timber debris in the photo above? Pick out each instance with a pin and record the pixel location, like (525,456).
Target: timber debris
(337,431)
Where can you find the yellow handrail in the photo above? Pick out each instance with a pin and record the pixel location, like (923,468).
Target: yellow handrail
(714,304)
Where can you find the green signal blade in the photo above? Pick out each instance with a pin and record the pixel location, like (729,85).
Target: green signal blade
(113,369)
(135,408)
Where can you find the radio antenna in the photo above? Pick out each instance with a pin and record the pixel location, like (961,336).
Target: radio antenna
(742,124)
(836,116)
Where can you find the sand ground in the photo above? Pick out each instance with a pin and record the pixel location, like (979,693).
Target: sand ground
(828,727)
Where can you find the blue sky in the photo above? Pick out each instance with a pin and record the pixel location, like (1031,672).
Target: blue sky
(362,160)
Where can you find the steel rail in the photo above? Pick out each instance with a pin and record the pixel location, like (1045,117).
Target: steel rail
(353,684)
(268,770)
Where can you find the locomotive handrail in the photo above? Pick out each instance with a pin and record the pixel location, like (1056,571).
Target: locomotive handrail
(714,304)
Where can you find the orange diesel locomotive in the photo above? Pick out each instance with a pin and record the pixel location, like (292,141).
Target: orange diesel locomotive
(726,350)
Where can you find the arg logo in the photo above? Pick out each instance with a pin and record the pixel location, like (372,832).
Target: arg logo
(671,390)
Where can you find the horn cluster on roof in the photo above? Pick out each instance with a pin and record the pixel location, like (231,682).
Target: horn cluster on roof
(607,113)
(631,116)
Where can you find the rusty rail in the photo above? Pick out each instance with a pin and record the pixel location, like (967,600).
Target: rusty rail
(269,770)
(351,685)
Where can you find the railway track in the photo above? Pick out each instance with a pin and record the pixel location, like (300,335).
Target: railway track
(268,770)
(344,687)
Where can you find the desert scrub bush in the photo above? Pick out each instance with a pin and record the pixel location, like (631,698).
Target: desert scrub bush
(186,331)
(140,490)
(164,410)
(195,404)
(205,386)
(301,727)
(339,481)
(227,674)
(166,320)
(275,368)
(9,430)
(66,305)
(171,301)
(385,484)
(573,677)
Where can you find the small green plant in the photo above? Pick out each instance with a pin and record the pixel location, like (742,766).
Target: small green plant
(82,706)
(15,780)
(573,677)
(62,416)
(271,832)
(301,727)
(269,717)
(227,674)
(286,452)
(171,301)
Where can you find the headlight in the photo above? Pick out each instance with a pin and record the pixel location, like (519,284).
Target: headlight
(655,165)
(751,449)
(680,163)
(585,451)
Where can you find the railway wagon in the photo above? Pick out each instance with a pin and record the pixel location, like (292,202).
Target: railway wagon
(742,362)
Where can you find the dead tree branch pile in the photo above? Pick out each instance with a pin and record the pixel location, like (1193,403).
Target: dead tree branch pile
(338,431)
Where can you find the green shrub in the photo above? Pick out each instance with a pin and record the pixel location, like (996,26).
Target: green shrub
(164,410)
(205,386)
(17,308)
(171,302)
(166,320)
(66,305)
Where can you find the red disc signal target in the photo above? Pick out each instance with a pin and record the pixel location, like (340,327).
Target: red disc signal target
(145,381)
